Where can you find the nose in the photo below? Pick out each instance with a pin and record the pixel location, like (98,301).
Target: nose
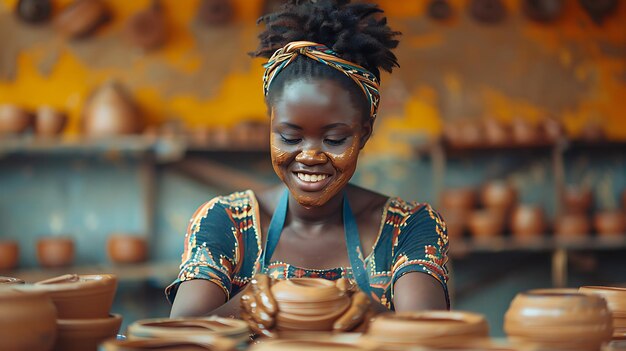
(311,157)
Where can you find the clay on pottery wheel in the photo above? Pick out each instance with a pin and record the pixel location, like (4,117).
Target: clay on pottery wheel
(125,248)
(49,121)
(110,111)
(55,251)
(81,18)
(427,329)
(10,281)
(577,200)
(305,345)
(81,296)
(170,344)
(610,223)
(563,321)
(27,321)
(14,120)
(9,254)
(85,334)
(233,329)
(527,222)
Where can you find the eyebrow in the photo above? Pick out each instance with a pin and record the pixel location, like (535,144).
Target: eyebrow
(326,127)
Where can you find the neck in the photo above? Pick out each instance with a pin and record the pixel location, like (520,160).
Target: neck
(328,214)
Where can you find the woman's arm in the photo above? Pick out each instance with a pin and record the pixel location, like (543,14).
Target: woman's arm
(189,304)
(417,291)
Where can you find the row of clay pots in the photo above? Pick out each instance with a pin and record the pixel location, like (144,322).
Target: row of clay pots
(60,251)
(45,122)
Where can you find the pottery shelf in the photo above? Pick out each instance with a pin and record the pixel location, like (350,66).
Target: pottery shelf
(162,272)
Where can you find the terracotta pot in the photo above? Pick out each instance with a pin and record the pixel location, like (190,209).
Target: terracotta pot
(455,221)
(55,251)
(498,195)
(553,129)
(9,254)
(49,121)
(496,132)
(462,199)
(558,321)
(14,120)
(10,281)
(123,248)
(485,224)
(572,226)
(577,200)
(471,134)
(611,223)
(147,29)
(81,296)
(81,18)
(170,344)
(525,133)
(527,222)
(615,297)
(110,111)
(305,345)
(427,329)
(86,334)
(190,328)
(27,321)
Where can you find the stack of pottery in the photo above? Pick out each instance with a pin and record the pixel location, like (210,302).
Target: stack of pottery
(82,303)
(430,329)
(574,223)
(308,304)
(616,300)
(497,198)
(220,331)
(558,320)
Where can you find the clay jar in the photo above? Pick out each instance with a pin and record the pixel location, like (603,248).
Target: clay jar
(110,111)
(169,344)
(455,222)
(610,223)
(4,281)
(558,321)
(462,199)
(81,18)
(27,321)
(9,254)
(55,251)
(616,300)
(527,222)
(14,120)
(498,195)
(525,133)
(429,329)
(486,224)
(189,328)
(85,334)
(81,296)
(308,304)
(125,248)
(577,199)
(49,122)
(572,226)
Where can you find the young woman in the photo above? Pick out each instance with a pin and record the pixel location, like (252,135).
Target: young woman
(321,88)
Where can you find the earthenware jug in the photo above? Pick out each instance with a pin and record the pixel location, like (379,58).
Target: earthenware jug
(55,251)
(9,254)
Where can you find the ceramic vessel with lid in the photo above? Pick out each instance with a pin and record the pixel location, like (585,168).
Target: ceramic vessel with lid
(86,334)
(559,320)
(81,296)
(183,328)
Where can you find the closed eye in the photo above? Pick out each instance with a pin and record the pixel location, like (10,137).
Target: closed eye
(335,142)
(290,141)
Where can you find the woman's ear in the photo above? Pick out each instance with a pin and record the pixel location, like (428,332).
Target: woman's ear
(367,128)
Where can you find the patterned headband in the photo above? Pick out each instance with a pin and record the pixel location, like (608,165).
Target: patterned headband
(365,79)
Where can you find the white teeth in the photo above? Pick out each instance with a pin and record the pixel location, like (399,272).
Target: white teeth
(312,178)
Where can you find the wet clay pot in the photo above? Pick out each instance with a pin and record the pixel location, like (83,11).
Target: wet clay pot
(572,226)
(577,199)
(498,195)
(81,296)
(611,223)
(4,281)
(9,254)
(485,224)
(110,111)
(85,334)
(27,321)
(527,222)
(81,18)
(14,120)
(125,248)
(55,251)
(428,329)
(233,329)
(616,301)
(49,122)
(559,321)
(169,344)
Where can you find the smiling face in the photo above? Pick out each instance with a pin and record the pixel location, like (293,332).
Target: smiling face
(317,133)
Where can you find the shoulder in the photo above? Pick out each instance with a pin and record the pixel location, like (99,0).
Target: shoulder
(413,214)
(241,201)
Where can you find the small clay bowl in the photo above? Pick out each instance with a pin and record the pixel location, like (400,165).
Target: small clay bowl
(170,344)
(485,224)
(86,334)
(572,225)
(610,223)
(27,320)
(55,251)
(14,120)
(527,222)
(49,122)
(10,281)
(124,248)
(9,254)
(234,329)
(81,296)
(428,329)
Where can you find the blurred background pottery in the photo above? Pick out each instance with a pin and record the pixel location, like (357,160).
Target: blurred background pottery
(14,120)
(27,320)
(110,111)
(525,133)
(498,195)
(55,251)
(86,334)
(564,321)
(485,224)
(81,18)
(462,199)
(146,29)
(572,226)
(496,132)
(49,122)
(215,12)
(9,254)
(192,327)
(81,296)
(455,222)
(34,11)
(577,199)
(10,281)
(127,248)
(610,223)
(527,222)
(553,129)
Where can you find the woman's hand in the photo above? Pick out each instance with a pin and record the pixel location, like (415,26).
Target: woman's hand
(258,306)
(358,310)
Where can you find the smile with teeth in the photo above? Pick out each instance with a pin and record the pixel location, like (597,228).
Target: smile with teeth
(311,178)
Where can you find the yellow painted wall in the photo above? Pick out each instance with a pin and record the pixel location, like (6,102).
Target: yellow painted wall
(460,69)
